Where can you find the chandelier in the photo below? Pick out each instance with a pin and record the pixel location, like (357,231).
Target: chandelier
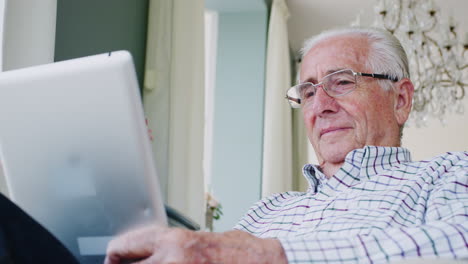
(437,57)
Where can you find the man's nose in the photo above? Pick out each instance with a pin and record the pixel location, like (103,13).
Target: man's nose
(323,103)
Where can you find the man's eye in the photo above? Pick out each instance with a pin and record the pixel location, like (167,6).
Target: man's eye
(309,94)
(344,82)
(307,91)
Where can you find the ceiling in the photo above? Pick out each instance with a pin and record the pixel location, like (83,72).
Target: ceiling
(309,17)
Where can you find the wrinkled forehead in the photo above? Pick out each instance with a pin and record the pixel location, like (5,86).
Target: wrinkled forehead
(335,53)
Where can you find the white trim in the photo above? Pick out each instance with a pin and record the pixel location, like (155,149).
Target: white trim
(211,46)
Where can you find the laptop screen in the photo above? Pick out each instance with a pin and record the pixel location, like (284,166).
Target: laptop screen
(75,149)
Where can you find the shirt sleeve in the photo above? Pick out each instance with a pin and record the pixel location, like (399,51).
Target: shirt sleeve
(256,208)
(444,233)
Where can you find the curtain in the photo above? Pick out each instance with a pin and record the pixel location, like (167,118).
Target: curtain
(174,98)
(277,169)
(21,24)
(2,24)
(157,82)
(28,33)
(3,186)
(303,151)
(285,147)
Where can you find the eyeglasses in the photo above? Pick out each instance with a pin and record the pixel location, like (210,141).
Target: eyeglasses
(335,84)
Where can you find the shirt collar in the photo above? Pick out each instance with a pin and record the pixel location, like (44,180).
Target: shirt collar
(359,164)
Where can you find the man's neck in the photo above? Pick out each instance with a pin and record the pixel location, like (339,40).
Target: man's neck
(329,169)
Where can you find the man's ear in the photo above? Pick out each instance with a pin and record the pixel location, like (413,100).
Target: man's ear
(404,91)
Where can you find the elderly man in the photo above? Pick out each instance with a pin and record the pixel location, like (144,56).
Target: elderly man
(367,201)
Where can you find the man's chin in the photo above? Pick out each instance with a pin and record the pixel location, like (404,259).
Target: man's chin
(335,153)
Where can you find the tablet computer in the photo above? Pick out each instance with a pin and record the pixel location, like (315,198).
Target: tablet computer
(75,150)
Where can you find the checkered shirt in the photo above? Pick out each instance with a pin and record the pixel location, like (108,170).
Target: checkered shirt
(379,207)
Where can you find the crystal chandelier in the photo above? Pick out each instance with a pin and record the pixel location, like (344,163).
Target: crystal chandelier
(437,56)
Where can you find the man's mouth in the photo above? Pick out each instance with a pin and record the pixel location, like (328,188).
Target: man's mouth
(331,130)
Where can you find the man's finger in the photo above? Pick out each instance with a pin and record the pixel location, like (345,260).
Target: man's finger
(137,244)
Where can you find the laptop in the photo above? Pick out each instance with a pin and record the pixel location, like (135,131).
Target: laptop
(75,150)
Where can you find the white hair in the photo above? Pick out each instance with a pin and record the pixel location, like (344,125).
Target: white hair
(386,54)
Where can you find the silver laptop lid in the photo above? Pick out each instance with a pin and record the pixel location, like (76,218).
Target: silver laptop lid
(75,149)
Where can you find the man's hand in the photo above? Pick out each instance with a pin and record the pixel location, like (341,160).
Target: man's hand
(173,245)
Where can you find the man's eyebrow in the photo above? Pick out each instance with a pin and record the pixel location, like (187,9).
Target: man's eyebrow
(334,70)
(314,80)
(311,80)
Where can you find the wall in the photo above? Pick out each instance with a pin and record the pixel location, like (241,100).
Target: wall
(238,114)
(89,27)
(436,138)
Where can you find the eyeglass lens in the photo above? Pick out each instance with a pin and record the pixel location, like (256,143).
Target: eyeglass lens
(335,84)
